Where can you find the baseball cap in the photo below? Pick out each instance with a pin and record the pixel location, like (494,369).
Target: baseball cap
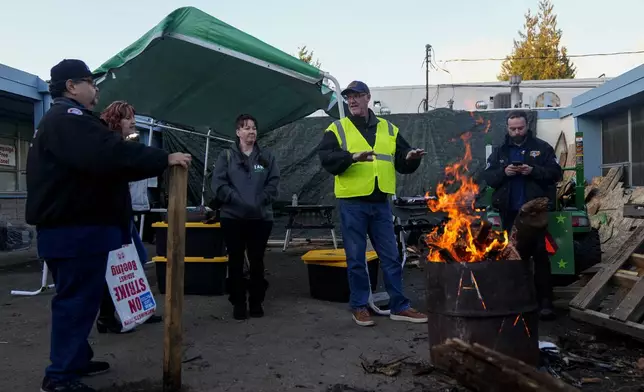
(71,69)
(357,87)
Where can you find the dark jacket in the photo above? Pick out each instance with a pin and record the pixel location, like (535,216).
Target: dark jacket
(245,186)
(78,170)
(541,182)
(335,160)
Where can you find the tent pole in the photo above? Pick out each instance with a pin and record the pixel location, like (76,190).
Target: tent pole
(151,126)
(186,131)
(205,168)
(338,89)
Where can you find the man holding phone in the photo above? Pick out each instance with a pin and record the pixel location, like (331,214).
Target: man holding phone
(521,169)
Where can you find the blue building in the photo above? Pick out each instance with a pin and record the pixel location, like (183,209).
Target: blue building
(24,98)
(611,117)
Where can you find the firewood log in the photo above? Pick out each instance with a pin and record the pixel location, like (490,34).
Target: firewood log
(482,369)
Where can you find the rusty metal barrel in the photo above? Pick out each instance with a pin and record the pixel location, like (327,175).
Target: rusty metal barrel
(492,303)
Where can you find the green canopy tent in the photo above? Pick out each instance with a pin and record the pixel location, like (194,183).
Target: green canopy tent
(196,70)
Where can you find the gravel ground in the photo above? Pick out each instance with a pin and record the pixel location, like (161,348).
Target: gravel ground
(301,345)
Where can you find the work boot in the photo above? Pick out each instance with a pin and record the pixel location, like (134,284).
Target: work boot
(410,315)
(94,368)
(49,385)
(256,310)
(237,297)
(240,312)
(154,319)
(363,318)
(256,295)
(547,311)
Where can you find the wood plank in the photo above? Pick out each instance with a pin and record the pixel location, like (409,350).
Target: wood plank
(637,259)
(615,181)
(570,162)
(566,293)
(589,295)
(637,195)
(631,307)
(608,179)
(629,328)
(633,210)
(173,339)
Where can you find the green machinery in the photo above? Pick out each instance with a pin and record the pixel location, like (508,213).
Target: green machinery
(572,243)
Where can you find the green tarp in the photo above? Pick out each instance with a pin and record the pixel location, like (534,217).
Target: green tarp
(197,71)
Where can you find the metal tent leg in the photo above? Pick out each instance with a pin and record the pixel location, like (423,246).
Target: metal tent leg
(43,284)
(287,239)
(335,241)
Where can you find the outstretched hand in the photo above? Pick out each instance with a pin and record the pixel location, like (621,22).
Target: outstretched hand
(363,156)
(416,153)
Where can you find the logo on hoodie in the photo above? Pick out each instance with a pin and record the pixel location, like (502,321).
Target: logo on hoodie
(257,168)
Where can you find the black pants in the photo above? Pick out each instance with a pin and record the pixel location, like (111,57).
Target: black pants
(107,310)
(539,254)
(73,310)
(250,236)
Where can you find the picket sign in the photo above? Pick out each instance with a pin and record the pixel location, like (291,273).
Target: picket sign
(129,287)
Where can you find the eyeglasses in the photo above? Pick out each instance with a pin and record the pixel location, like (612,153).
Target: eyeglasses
(350,97)
(86,80)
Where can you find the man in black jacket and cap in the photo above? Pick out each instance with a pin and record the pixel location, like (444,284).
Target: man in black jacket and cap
(521,169)
(78,198)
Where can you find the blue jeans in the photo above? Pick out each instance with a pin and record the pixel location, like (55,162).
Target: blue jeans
(79,288)
(359,219)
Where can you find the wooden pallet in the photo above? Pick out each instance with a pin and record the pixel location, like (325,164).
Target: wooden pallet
(614,297)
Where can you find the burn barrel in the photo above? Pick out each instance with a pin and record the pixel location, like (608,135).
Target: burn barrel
(492,303)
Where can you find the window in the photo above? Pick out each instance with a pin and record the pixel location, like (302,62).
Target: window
(615,140)
(14,146)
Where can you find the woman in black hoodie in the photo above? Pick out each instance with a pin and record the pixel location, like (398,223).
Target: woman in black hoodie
(245,182)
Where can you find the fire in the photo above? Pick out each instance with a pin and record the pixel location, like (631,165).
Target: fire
(456,239)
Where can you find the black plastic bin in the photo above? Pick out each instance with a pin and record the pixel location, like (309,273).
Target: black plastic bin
(202,240)
(327,269)
(202,276)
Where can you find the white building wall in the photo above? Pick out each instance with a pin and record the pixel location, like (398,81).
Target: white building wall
(550,129)
(408,99)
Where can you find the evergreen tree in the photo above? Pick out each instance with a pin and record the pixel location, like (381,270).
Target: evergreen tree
(306,56)
(538,53)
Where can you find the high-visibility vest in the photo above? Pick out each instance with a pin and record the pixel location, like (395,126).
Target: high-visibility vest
(360,178)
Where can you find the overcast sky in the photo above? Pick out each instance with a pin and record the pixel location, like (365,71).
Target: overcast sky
(380,42)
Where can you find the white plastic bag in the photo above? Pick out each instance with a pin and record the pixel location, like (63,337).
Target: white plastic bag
(129,287)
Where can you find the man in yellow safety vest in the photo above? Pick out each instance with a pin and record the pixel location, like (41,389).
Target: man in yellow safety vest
(364,152)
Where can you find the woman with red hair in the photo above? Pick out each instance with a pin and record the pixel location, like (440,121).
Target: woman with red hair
(119,117)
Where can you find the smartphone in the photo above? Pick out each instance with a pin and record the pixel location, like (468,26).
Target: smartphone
(517,163)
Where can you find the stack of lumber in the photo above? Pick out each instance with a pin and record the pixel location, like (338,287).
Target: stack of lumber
(605,198)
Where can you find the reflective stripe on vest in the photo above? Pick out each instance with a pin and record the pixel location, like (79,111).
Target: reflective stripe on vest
(343,136)
(360,178)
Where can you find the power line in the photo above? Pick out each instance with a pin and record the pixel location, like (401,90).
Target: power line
(545,57)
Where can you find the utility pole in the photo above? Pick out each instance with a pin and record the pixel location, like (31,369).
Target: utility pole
(428,59)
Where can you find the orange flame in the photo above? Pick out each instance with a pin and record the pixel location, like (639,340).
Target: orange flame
(456,237)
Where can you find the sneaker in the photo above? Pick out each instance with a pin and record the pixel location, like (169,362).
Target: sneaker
(94,368)
(410,315)
(49,385)
(363,318)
